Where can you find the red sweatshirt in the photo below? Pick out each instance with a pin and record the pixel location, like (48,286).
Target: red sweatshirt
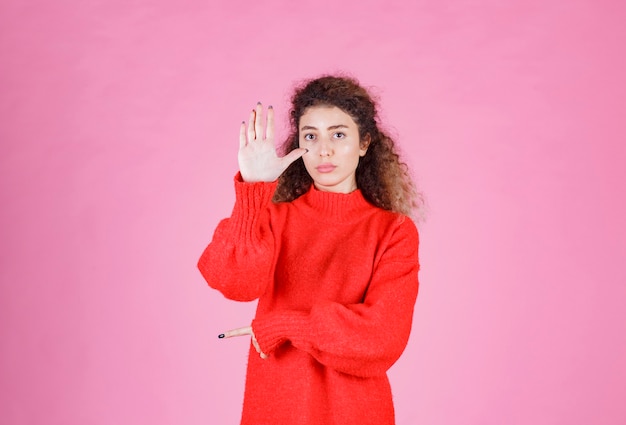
(336,280)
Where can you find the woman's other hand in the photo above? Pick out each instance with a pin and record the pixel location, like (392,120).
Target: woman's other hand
(258,161)
(246,330)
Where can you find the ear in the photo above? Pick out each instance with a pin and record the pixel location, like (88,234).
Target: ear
(365,143)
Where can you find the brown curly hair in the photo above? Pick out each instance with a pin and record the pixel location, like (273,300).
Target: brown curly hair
(380,175)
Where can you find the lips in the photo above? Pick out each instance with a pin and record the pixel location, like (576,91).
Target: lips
(325,168)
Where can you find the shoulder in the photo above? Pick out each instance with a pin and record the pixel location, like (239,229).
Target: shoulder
(397,222)
(400,239)
(407,226)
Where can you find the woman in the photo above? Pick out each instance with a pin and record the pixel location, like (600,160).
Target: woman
(322,238)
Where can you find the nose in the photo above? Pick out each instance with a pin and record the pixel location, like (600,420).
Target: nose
(326,147)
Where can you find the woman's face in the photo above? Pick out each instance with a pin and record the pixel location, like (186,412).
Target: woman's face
(332,138)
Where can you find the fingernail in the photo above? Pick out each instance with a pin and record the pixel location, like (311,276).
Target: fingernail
(258,103)
(270,107)
(221,336)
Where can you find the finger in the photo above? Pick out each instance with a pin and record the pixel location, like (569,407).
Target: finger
(269,131)
(242,135)
(257,347)
(258,124)
(246,330)
(292,156)
(251,134)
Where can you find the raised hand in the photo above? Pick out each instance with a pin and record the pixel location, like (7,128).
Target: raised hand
(258,161)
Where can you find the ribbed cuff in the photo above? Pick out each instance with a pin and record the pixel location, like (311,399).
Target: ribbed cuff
(259,193)
(250,200)
(274,329)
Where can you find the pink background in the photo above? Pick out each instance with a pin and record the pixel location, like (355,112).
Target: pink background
(118,127)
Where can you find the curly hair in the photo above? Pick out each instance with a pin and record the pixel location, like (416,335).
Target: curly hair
(380,175)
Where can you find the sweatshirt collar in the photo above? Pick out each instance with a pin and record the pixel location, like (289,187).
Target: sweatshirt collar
(336,206)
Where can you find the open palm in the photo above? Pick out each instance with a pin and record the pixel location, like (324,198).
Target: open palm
(258,160)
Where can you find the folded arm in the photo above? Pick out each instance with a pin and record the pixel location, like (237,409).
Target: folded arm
(362,339)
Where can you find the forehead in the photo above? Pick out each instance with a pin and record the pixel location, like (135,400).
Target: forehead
(325,115)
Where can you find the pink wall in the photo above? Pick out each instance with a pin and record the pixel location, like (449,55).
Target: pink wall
(118,127)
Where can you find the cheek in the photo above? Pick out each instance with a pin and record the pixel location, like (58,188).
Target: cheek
(307,158)
(350,151)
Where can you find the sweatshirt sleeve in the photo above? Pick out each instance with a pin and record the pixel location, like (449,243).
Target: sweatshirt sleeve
(362,339)
(238,261)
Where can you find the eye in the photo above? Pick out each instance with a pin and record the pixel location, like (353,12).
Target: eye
(339,135)
(308,136)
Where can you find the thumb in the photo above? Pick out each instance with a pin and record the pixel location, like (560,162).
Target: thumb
(293,155)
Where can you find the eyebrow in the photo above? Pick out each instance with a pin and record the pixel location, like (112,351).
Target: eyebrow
(332,127)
